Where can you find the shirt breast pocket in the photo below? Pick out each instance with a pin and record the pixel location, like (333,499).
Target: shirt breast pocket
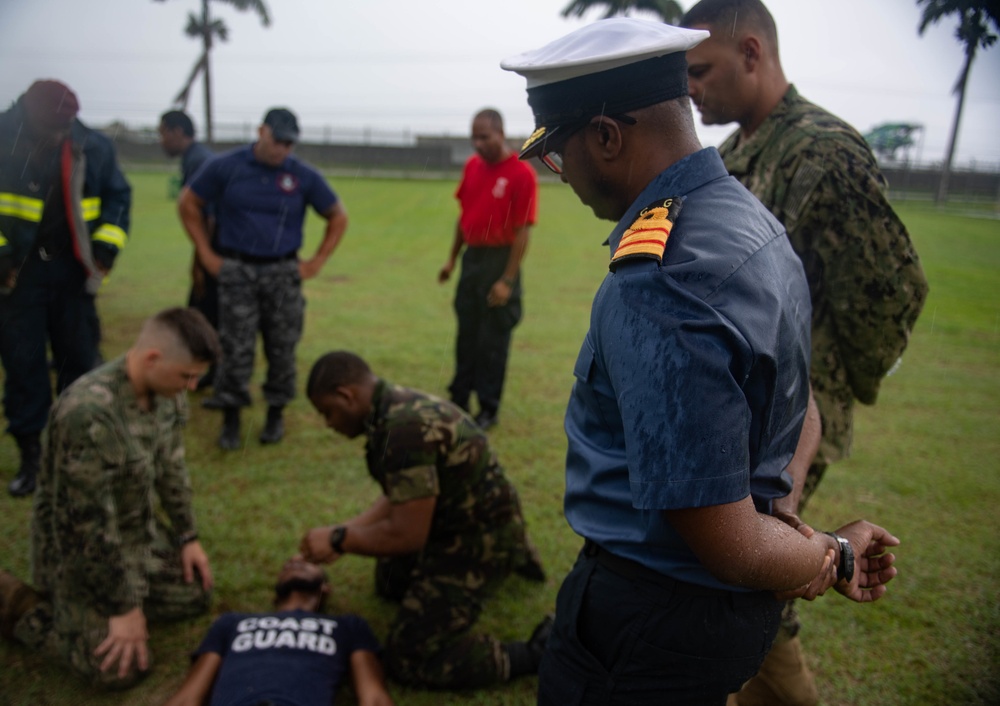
(602,419)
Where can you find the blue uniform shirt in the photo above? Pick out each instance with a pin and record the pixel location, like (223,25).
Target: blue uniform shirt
(260,209)
(692,383)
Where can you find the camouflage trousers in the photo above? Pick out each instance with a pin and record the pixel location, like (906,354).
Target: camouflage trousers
(256,297)
(790,623)
(68,630)
(441,593)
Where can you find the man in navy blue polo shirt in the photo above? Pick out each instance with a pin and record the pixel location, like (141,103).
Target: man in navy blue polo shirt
(260,194)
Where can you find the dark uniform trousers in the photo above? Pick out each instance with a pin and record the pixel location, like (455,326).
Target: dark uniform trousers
(628,636)
(49,306)
(484,332)
(266,297)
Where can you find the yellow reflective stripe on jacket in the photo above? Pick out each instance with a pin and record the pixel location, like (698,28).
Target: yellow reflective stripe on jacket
(23,207)
(112,235)
(3,240)
(91,208)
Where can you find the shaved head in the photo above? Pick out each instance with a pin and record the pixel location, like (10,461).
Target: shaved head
(727,20)
(180,334)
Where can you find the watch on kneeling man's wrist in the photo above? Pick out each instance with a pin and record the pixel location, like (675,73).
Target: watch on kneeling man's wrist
(845,570)
(337,536)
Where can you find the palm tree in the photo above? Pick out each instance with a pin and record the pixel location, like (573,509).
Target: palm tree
(668,10)
(974,20)
(207,29)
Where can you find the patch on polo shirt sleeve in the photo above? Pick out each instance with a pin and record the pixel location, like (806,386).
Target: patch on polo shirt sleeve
(647,236)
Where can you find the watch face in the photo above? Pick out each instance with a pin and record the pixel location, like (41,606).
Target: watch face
(847,559)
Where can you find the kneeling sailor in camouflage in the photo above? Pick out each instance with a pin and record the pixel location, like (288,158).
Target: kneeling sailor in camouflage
(104,561)
(447,529)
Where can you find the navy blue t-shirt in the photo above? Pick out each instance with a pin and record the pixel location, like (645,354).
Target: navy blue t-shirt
(291,658)
(261,209)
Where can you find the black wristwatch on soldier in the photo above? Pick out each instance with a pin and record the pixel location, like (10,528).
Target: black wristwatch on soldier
(337,536)
(845,570)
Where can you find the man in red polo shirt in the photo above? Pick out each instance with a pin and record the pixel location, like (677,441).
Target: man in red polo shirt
(498,196)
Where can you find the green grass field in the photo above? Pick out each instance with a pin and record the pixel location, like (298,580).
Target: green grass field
(925,462)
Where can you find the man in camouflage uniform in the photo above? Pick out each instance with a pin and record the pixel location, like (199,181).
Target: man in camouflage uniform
(104,559)
(447,529)
(817,175)
(260,193)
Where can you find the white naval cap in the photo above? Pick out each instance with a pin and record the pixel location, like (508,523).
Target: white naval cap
(608,67)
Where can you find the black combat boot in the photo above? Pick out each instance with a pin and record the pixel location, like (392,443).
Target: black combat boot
(230,437)
(31,459)
(274,428)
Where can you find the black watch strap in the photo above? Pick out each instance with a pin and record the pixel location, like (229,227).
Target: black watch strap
(337,536)
(845,570)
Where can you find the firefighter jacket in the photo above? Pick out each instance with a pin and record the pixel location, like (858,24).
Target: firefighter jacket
(96,197)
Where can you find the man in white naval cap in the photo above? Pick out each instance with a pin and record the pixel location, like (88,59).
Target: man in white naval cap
(690,393)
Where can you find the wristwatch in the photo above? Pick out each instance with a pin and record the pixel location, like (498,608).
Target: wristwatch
(337,535)
(845,570)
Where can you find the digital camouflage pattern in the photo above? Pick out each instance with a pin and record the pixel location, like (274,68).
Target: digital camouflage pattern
(269,298)
(817,175)
(421,446)
(99,544)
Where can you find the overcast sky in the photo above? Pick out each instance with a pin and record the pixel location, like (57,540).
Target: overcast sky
(426,67)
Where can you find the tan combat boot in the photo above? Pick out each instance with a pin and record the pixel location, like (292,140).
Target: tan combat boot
(784,679)
(16,599)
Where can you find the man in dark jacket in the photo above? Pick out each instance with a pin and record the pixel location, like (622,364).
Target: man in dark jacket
(64,215)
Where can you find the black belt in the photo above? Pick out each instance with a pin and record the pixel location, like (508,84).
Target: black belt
(257,259)
(634,571)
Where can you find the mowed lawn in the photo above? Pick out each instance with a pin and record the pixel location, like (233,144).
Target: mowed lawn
(925,462)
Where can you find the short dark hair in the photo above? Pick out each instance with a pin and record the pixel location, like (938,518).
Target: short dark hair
(336,369)
(174,119)
(283,589)
(726,16)
(193,332)
(494,117)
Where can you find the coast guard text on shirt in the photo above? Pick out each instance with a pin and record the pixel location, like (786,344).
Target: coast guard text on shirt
(269,632)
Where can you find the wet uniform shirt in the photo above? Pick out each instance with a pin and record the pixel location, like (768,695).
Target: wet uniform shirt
(691,384)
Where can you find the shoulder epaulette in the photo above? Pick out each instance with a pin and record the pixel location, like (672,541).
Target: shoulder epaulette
(647,236)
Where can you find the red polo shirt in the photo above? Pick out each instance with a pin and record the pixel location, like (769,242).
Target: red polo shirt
(496,200)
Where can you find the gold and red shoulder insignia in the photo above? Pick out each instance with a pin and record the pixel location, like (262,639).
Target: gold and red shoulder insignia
(647,236)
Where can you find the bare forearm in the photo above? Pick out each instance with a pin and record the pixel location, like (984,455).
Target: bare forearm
(336,226)
(517,251)
(189,207)
(742,547)
(403,529)
(381,538)
(378,510)
(457,243)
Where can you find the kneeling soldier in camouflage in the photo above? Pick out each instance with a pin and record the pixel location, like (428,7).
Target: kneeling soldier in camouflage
(104,561)
(447,529)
